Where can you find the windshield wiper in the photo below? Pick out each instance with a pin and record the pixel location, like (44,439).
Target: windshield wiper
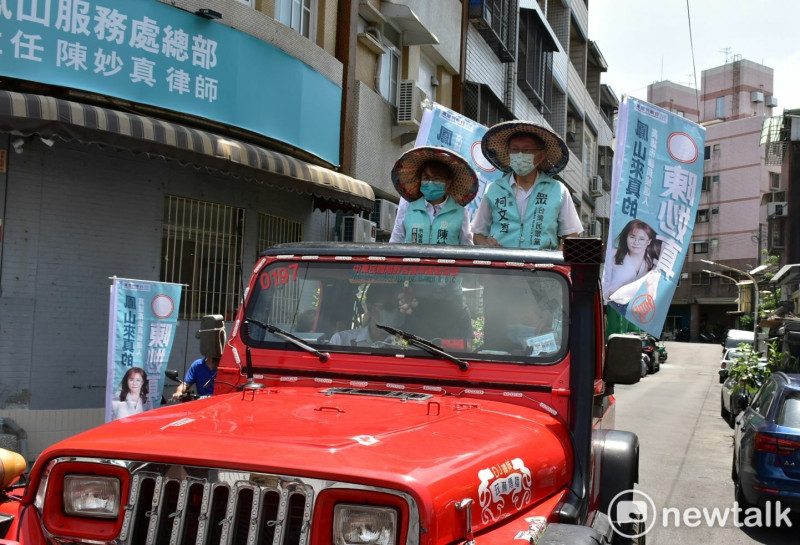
(425,344)
(286,336)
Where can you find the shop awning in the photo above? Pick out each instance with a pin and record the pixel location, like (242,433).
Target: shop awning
(28,114)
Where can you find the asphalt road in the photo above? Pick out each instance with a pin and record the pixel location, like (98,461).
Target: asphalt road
(686,449)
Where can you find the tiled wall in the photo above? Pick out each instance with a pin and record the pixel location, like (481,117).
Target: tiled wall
(483,66)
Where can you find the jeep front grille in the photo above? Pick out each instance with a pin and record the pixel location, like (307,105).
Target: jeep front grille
(183,506)
(189,505)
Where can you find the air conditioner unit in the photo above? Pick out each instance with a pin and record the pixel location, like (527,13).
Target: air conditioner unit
(595,229)
(777,209)
(357,229)
(596,186)
(771,102)
(410,101)
(572,126)
(384,214)
(756,96)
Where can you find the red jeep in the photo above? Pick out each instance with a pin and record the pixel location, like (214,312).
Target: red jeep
(371,394)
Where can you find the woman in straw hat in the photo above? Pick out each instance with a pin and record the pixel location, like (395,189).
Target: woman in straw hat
(435,184)
(526,208)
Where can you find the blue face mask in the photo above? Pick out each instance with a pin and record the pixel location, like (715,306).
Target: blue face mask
(432,191)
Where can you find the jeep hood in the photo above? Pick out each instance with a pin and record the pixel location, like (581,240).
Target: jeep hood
(432,448)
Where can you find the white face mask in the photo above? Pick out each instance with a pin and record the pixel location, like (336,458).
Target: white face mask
(522,163)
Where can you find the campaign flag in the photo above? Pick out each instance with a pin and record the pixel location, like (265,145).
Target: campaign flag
(655,187)
(445,128)
(143,318)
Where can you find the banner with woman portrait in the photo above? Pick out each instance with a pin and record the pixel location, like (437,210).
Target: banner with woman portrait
(143,319)
(655,187)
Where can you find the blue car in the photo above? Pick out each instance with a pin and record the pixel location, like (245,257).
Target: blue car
(766,445)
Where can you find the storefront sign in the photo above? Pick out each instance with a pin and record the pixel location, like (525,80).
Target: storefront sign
(147,52)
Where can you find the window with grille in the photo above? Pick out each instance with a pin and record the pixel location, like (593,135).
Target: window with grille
(481,105)
(701,279)
(535,60)
(299,15)
(273,230)
(776,233)
(708,180)
(202,248)
(495,21)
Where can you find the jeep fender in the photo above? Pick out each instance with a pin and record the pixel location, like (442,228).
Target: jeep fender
(619,463)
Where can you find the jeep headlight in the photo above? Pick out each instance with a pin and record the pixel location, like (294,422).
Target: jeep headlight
(91,496)
(361,524)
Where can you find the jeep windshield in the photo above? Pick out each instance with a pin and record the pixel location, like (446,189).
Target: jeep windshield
(471,312)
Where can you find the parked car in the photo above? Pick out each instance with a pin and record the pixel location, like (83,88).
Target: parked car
(730,407)
(734,337)
(766,448)
(728,357)
(649,351)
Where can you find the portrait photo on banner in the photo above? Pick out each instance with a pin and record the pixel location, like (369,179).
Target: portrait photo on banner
(656,188)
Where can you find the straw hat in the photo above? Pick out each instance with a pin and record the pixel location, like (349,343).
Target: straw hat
(405,174)
(495,145)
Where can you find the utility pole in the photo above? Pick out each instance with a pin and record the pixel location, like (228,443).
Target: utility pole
(757,238)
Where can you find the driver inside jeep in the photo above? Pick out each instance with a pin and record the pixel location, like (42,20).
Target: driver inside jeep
(433,312)
(381,306)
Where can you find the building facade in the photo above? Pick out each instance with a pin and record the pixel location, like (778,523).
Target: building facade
(542,66)
(175,140)
(738,183)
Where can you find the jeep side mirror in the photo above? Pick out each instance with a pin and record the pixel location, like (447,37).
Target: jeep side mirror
(623,359)
(211,335)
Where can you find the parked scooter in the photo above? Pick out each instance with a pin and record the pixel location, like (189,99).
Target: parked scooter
(708,337)
(662,351)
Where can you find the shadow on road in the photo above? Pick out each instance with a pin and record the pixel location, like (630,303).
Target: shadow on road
(784,535)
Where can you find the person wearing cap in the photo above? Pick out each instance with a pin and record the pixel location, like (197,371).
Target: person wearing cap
(435,184)
(527,207)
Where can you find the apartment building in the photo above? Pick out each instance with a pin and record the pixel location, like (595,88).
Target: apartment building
(738,187)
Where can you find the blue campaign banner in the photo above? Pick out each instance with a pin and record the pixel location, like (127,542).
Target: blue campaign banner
(152,53)
(143,318)
(656,184)
(443,127)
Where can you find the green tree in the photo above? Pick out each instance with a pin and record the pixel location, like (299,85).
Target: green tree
(748,370)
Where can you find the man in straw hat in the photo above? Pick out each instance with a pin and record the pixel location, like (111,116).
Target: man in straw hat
(435,184)
(526,208)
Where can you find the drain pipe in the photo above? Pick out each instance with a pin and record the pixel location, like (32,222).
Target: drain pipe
(21,435)
(376,81)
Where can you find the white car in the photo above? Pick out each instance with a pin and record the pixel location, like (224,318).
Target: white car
(730,355)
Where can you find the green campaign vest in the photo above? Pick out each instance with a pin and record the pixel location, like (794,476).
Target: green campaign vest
(446,228)
(539,228)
